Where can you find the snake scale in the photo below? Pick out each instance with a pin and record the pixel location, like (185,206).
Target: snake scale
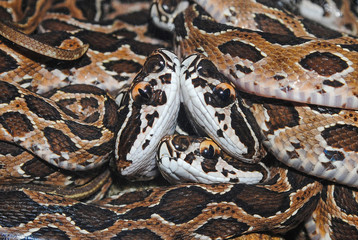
(87,92)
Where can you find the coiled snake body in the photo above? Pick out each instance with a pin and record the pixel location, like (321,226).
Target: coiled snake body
(74,133)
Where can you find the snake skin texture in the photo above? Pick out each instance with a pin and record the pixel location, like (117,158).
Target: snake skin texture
(91,93)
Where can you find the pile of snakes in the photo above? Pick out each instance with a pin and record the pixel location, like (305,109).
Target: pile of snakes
(244,112)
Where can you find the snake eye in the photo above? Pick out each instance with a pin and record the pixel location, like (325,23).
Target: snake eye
(154,64)
(169,6)
(225,92)
(206,68)
(209,149)
(142,92)
(181,143)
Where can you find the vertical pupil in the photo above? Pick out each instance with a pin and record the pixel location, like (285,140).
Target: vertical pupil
(209,152)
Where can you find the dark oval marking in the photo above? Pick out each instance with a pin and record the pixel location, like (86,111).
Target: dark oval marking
(218,228)
(42,108)
(7,63)
(241,50)
(8,92)
(58,141)
(267,24)
(137,234)
(86,132)
(122,66)
(10,148)
(283,39)
(208,164)
(90,218)
(38,168)
(348,137)
(16,124)
(334,83)
(17,208)
(49,233)
(319,30)
(324,63)
(99,41)
(131,197)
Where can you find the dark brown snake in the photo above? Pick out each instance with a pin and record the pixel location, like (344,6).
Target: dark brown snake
(38,204)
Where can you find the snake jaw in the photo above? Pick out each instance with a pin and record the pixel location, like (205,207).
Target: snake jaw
(151,109)
(226,121)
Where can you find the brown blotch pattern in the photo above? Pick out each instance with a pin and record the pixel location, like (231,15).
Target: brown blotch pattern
(42,108)
(16,124)
(324,63)
(208,165)
(58,141)
(144,234)
(7,63)
(345,200)
(342,136)
(8,92)
(215,228)
(122,66)
(38,168)
(342,230)
(281,116)
(86,132)
(241,50)
(10,148)
(175,206)
(131,197)
(49,233)
(99,41)
(267,24)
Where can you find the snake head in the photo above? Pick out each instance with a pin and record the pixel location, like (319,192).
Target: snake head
(163,12)
(184,158)
(215,106)
(148,112)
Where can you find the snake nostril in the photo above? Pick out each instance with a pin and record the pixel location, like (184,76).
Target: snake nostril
(181,143)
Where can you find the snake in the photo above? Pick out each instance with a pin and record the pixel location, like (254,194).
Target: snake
(211,211)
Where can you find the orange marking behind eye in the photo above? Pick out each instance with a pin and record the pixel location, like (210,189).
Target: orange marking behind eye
(224,86)
(141,90)
(209,149)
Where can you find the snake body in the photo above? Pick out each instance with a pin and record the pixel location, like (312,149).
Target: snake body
(75,132)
